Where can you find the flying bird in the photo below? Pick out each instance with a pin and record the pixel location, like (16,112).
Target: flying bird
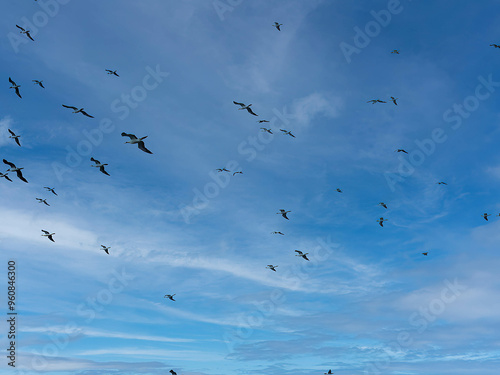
(40,200)
(373,101)
(169,296)
(271,267)
(283,213)
(394,100)
(48,235)
(14,137)
(261,121)
(441,183)
(278,232)
(425,254)
(237,172)
(222,170)
(13,168)
(113,72)
(5,176)
(134,140)
(105,249)
(50,189)
(396,51)
(247,107)
(381,221)
(340,191)
(99,165)
(15,87)
(287,132)
(301,254)
(400,150)
(173,372)
(485,215)
(76,110)
(329,372)
(495,45)
(277,25)
(267,130)
(39,83)
(382,204)
(27,32)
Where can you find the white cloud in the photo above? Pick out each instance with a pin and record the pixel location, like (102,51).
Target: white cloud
(314,105)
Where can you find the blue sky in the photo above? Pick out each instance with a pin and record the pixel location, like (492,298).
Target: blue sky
(368,301)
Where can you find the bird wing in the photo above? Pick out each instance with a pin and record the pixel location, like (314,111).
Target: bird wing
(251,112)
(102,170)
(19,27)
(86,114)
(41,84)
(11,132)
(12,165)
(11,81)
(18,93)
(17,141)
(131,136)
(20,175)
(278,27)
(50,238)
(7,177)
(44,231)
(44,201)
(143,148)
(50,189)
(29,36)
(115,74)
(305,257)
(284,215)
(291,134)
(240,104)
(95,161)
(68,106)
(299,252)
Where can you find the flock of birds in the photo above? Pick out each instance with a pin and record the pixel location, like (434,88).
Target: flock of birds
(13,168)
(140,143)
